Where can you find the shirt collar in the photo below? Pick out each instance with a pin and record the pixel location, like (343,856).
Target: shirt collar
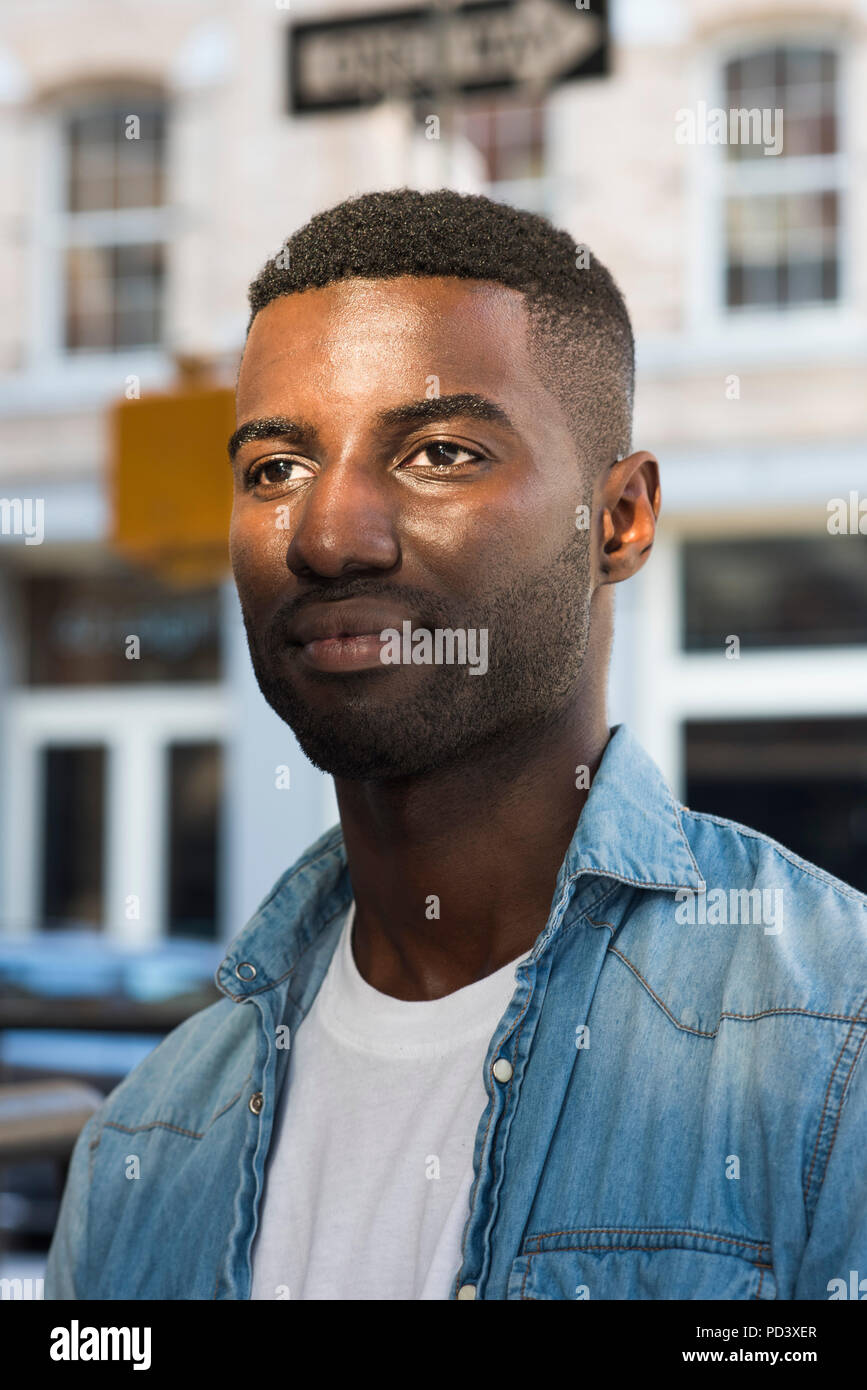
(629,829)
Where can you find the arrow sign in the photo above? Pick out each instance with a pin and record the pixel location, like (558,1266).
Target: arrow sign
(344,63)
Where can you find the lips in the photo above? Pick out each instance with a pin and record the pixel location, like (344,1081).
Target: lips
(351,618)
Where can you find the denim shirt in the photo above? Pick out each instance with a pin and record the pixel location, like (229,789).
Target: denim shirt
(676,1094)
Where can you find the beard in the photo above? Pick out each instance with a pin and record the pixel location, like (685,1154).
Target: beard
(368,728)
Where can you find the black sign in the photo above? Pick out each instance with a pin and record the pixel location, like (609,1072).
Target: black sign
(533,44)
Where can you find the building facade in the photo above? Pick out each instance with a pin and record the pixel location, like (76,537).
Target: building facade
(152,164)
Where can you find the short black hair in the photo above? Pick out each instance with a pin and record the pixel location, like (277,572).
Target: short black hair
(580,331)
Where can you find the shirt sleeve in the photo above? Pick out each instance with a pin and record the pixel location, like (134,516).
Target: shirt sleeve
(67,1256)
(837,1244)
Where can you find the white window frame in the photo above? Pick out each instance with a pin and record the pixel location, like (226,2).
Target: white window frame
(135,727)
(63,373)
(762,331)
(679,686)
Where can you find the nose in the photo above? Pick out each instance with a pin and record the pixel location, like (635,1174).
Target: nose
(344,522)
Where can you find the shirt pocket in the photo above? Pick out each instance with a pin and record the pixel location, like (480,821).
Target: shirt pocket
(641,1263)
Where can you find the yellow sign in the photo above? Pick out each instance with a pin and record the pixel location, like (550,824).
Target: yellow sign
(171,483)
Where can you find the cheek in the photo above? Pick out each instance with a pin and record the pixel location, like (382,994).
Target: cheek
(257,548)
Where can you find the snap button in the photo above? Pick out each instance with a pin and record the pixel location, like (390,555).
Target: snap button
(502,1069)
(257,1100)
(467,1291)
(245,971)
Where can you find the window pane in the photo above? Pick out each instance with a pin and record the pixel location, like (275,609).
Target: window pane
(775,592)
(136,326)
(803,782)
(141,162)
(88,297)
(103,283)
(90,161)
(509,133)
(112,162)
(195,775)
(830,279)
(754,74)
(803,71)
(736,289)
(804,281)
(799,81)
(73,785)
(778,249)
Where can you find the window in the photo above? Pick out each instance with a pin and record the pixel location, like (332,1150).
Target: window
(801,781)
(779,591)
(194,788)
(71,868)
(510,136)
(113,193)
(81,629)
(782,212)
(509,133)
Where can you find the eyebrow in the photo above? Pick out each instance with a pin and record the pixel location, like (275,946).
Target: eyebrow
(446,408)
(296,432)
(270,427)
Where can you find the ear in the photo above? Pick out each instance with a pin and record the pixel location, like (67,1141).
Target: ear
(629,500)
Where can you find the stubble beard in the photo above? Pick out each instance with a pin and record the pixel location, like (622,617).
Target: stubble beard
(538,633)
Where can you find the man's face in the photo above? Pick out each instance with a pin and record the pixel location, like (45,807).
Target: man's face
(372,498)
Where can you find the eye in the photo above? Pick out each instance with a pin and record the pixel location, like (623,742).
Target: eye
(274,472)
(445,457)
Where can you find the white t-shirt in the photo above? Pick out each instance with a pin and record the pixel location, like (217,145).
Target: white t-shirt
(370,1166)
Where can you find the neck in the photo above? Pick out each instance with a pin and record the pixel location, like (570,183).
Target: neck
(453,872)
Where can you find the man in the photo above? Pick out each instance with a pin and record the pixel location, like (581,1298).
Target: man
(521,1026)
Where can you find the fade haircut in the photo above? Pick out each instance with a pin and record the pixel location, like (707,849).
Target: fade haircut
(580,336)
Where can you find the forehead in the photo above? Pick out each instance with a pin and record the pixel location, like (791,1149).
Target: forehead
(380,338)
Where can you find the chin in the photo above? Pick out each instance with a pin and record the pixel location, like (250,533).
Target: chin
(362,762)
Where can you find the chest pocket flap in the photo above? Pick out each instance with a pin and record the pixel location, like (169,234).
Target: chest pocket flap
(633,1263)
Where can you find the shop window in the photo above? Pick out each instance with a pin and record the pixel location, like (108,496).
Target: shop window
(780,591)
(801,781)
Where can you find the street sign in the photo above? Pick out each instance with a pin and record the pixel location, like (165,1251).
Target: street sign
(339,64)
